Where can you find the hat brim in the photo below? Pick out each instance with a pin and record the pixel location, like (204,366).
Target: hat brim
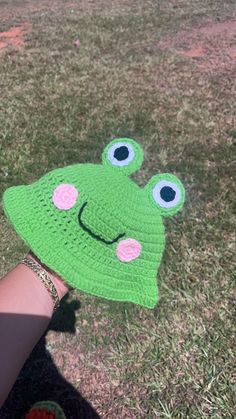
(19,206)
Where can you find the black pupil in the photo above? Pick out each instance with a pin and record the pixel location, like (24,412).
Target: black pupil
(121,153)
(167,193)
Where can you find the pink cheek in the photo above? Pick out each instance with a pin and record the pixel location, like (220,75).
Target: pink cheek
(128,250)
(65,196)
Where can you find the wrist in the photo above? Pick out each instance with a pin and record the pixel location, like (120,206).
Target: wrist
(61,287)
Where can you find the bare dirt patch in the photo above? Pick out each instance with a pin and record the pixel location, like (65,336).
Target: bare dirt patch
(212,47)
(15,37)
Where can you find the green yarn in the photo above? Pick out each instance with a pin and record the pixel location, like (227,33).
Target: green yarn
(110,242)
(134,165)
(166,212)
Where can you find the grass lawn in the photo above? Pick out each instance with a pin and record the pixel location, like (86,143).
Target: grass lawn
(163,73)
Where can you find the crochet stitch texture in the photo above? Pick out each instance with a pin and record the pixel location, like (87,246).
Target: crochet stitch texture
(45,410)
(95,227)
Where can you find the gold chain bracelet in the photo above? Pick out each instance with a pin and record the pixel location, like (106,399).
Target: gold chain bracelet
(45,279)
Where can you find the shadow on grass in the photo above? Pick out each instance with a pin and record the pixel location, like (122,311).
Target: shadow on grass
(40,379)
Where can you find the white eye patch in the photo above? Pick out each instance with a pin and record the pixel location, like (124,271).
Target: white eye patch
(166,194)
(121,154)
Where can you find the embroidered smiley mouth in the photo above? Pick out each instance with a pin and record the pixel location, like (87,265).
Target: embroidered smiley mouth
(95,236)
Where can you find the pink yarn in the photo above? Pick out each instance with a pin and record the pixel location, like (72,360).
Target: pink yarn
(65,196)
(128,250)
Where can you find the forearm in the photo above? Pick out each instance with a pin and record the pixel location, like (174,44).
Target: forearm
(26,308)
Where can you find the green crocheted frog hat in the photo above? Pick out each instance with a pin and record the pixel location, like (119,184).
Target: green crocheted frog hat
(95,227)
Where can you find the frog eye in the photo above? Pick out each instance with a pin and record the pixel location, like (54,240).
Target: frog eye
(123,154)
(167,193)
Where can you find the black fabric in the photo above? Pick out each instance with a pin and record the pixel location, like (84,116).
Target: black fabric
(121,153)
(167,193)
(40,379)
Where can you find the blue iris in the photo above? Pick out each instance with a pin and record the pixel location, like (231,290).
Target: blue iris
(167,194)
(121,153)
